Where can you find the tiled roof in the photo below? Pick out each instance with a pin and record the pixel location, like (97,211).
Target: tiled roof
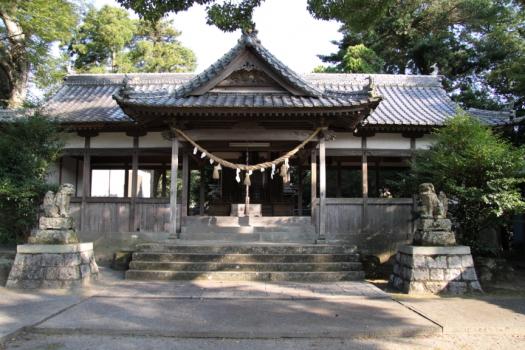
(496,118)
(406,99)
(198,91)
(251,43)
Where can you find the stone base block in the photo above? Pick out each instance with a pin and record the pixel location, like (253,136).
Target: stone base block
(433,270)
(434,224)
(45,223)
(53,266)
(49,236)
(434,238)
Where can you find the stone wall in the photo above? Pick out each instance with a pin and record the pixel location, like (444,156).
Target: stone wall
(53,266)
(432,270)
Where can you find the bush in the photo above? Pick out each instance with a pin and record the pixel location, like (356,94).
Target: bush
(480,172)
(27,148)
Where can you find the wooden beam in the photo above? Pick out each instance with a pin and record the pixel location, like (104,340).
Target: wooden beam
(134,184)
(173,185)
(364,177)
(313,185)
(86,183)
(364,167)
(300,189)
(322,188)
(338,190)
(201,191)
(185,185)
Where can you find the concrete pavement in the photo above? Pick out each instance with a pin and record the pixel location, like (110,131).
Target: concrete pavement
(255,315)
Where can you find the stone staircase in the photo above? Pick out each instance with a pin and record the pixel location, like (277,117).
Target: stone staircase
(244,262)
(274,229)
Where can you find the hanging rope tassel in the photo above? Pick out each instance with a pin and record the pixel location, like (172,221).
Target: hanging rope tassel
(216,169)
(203,155)
(273,171)
(284,171)
(195,151)
(238,175)
(247,181)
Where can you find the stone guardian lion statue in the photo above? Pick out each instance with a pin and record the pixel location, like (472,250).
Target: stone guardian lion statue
(430,204)
(57,205)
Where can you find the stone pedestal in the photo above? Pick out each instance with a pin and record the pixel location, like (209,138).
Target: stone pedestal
(53,266)
(433,270)
(54,230)
(434,232)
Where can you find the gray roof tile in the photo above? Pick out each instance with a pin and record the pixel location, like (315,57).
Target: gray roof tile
(406,100)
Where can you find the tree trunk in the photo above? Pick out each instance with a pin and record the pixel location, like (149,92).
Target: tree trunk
(16,63)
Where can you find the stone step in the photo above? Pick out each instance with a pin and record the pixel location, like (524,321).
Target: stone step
(246,249)
(247,221)
(254,267)
(249,229)
(268,237)
(245,276)
(243,258)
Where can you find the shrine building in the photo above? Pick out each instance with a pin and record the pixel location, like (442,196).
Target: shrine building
(247,151)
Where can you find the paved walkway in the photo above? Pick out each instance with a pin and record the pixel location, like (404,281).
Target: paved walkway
(213,315)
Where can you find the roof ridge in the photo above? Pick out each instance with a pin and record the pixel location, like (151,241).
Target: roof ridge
(248,40)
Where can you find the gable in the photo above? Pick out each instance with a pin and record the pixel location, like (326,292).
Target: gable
(247,72)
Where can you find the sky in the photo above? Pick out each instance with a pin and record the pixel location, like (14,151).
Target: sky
(285,28)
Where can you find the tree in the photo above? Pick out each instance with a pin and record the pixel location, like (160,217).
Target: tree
(101,37)
(480,171)
(357,59)
(110,40)
(478,45)
(155,49)
(27,30)
(28,146)
(227,15)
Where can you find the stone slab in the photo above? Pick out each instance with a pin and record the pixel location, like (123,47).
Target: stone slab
(482,315)
(333,318)
(420,250)
(54,248)
(19,309)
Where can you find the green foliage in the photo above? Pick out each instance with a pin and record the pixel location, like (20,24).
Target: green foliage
(357,59)
(361,59)
(227,15)
(102,35)
(108,38)
(478,45)
(27,31)
(27,148)
(480,171)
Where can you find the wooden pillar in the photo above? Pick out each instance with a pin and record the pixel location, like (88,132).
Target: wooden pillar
(185,187)
(201,192)
(86,183)
(164,180)
(364,171)
(173,185)
(313,186)
(300,188)
(322,188)
(338,191)
(134,184)
(77,165)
